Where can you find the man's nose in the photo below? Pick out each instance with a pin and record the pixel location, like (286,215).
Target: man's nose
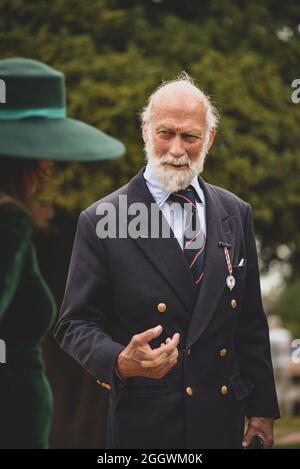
(177,148)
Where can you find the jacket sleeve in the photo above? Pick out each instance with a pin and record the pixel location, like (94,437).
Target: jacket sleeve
(15,238)
(253,344)
(80,330)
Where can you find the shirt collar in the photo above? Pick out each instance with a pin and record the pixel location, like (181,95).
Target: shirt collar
(160,193)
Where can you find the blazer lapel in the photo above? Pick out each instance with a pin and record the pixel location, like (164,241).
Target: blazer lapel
(219,228)
(164,253)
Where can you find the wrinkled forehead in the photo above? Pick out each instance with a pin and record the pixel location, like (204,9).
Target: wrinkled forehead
(180,108)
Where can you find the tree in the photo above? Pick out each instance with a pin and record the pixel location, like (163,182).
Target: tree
(114,53)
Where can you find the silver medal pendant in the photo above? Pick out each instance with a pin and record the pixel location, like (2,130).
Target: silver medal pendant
(230,282)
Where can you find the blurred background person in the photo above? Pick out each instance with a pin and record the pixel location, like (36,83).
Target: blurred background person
(281,340)
(34,130)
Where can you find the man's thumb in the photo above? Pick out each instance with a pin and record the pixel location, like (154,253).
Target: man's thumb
(150,334)
(248,437)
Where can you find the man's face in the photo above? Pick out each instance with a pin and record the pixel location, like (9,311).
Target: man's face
(176,140)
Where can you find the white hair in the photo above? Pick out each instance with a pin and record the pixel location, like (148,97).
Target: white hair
(183,81)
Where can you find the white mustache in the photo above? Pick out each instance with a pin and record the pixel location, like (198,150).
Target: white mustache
(181,160)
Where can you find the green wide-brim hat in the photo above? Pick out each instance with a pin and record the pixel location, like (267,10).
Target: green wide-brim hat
(33,121)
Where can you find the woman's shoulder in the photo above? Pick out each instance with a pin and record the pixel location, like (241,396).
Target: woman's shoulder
(15,221)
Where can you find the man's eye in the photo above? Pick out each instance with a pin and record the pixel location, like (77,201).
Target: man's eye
(190,138)
(165,133)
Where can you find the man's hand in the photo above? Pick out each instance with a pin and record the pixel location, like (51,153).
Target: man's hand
(139,359)
(263,428)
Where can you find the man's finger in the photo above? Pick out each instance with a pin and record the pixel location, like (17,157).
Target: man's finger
(175,354)
(148,335)
(268,442)
(166,348)
(153,363)
(166,341)
(250,433)
(161,359)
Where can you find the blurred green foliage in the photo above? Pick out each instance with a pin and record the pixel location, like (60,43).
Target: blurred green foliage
(114,53)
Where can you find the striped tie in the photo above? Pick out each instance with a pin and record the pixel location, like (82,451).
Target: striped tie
(194,240)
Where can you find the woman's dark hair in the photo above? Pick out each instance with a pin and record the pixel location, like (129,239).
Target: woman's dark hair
(16,177)
(16,174)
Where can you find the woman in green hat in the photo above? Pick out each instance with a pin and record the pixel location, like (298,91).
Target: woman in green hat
(33,130)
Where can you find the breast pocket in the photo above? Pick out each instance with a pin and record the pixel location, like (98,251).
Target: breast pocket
(238,271)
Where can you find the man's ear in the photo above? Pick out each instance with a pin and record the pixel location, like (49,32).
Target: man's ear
(212,135)
(145,130)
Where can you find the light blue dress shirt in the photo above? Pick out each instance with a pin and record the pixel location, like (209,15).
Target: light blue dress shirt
(178,219)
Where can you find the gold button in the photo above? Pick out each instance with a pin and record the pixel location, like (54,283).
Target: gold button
(99,382)
(223,352)
(233,303)
(189,391)
(161,307)
(188,352)
(224,390)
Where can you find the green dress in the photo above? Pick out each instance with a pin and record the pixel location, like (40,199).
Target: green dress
(27,311)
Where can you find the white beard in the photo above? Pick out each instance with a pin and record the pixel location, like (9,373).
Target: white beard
(170,178)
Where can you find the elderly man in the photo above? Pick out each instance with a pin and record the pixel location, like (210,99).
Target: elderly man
(173,326)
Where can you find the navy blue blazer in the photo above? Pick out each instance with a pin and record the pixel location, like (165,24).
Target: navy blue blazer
(224,370)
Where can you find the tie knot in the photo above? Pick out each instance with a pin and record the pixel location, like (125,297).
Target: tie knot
(184,196)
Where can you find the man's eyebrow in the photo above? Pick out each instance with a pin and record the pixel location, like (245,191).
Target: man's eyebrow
(163,127)
(195,132)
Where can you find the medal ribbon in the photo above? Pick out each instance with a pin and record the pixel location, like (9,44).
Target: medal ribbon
(228,261)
